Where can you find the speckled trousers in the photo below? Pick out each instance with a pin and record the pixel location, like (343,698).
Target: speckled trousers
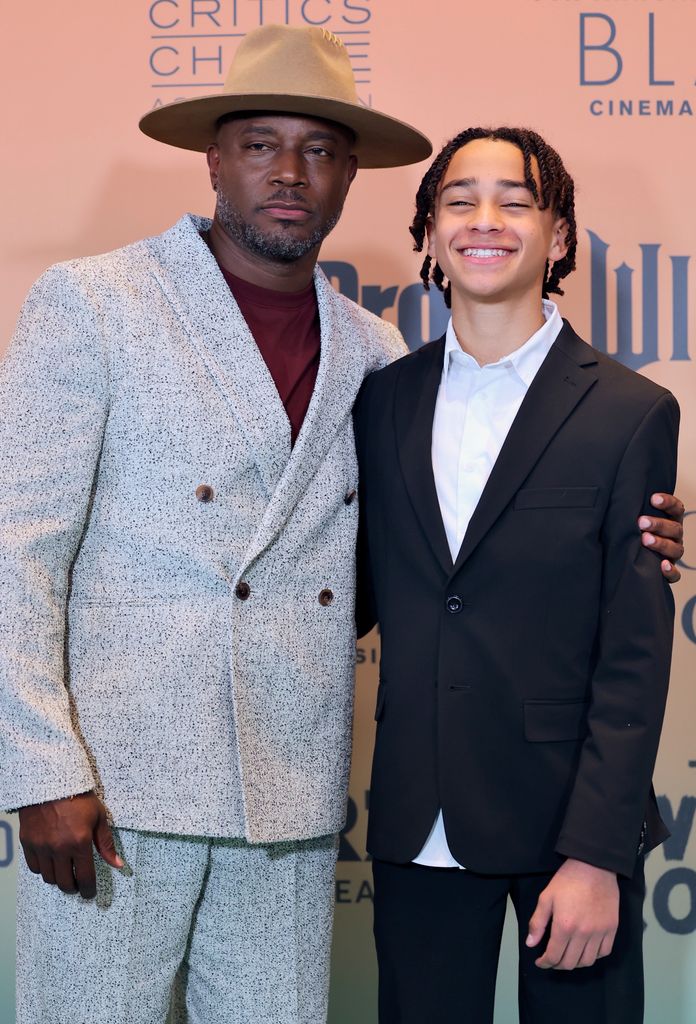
(192,931)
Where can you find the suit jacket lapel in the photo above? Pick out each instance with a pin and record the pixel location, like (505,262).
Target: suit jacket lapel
(189,276)
(562,381)
(416,394)
(342,366)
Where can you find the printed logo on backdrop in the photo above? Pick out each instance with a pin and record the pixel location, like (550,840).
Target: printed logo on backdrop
(608,50)
(192,42)
(6,844)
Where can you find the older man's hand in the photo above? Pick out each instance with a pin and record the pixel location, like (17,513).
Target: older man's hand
(665,536)
(57,838)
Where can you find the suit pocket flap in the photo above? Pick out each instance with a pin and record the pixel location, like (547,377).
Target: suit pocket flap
(548,720)
(556,497)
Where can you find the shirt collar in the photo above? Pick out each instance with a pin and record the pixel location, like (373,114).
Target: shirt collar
(525,361)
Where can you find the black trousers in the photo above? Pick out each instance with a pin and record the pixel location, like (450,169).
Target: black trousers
(438,934)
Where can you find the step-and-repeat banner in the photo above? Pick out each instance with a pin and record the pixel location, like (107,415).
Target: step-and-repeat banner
(610,83)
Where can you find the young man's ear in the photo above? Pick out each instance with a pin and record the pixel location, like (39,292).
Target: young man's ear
(559,246)
(430,229)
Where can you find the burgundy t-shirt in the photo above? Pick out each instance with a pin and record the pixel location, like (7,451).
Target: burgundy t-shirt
(285,326)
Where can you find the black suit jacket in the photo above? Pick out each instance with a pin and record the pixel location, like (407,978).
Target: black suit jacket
(522,689)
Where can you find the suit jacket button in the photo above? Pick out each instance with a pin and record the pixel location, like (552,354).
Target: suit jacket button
(326,597)
(350,497)
(205,493)
(242,590)
(454,604)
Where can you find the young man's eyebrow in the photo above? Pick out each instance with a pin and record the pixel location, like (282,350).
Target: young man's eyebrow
(468,182)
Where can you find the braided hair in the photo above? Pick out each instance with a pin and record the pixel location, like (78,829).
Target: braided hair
(557,192)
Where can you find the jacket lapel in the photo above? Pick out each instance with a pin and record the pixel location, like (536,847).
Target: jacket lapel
(416,395)
(562,381)
(189,276)
(342,366)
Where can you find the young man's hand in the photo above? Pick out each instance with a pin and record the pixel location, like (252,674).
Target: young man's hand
(57,838)
(665,536)
(582,904)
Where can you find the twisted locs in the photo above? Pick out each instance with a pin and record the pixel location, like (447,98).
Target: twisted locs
(557,192)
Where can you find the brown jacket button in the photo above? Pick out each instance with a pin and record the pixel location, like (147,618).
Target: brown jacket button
(242,590)
(350,497)
(326,597)
(205,493)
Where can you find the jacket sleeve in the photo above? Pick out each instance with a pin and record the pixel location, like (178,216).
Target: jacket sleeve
(53,408)
(607,805)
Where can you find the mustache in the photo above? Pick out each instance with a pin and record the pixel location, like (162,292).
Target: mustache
(287,195)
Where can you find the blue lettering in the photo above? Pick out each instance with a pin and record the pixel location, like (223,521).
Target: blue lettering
(413,303)
(163,24)
(361,10)
(365,892)
(196,60)
(606,47)
(153,55)
(688,624)
(378,299)
(7,856)
(679,824)
(314,21)
(651,54)
(209,13)
(275,17)
(343,276)
(664,887)
(680,309)
(345,850)
(342,890)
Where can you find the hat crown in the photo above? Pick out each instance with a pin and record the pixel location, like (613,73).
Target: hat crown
(292,61)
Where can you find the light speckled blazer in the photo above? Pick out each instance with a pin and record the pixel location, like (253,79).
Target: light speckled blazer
(127,662)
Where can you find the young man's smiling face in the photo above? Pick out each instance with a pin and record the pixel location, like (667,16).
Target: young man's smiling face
(488,234)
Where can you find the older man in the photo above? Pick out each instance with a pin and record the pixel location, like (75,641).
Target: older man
(177,525)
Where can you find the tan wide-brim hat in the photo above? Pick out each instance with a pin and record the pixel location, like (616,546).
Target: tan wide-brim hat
(286,70)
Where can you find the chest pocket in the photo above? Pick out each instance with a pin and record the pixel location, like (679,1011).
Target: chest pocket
(556,497)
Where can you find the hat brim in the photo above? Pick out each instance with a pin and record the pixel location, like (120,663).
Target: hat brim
(381,141)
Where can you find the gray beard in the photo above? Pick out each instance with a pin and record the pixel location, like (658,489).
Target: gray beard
(279,246)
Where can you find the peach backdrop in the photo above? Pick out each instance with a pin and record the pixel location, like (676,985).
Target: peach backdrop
(609,82)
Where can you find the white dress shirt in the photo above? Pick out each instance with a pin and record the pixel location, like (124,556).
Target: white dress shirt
(474,411)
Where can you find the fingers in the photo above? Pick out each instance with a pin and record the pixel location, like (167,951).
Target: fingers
(104,842)
(666,528)
(85,876)
(567,951)
(32,860)
(668,503)
(63,871)
(46,869)
(606,945)
(539,921)
(665,538)
(670,572)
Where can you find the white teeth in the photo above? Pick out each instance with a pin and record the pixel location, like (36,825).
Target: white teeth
(485,252)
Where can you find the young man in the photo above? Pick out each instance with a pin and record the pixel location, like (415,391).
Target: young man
(526,632)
